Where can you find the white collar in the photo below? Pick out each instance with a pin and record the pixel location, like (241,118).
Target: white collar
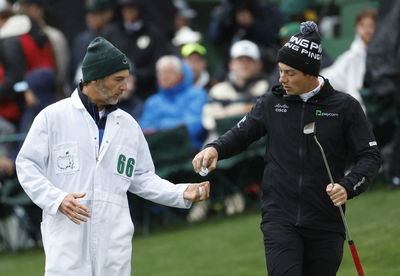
(306,96)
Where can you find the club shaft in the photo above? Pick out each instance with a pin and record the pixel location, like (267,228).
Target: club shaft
(351,243)
(331,180)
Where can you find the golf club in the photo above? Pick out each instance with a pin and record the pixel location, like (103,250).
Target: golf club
(310,129)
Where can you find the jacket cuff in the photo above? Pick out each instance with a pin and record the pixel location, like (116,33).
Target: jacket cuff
(184,202)
(56,204)
(348,187)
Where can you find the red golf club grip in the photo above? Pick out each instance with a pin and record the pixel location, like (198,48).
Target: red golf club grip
(356,259)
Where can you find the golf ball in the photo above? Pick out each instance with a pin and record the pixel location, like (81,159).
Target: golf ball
(203,171)
(201,191)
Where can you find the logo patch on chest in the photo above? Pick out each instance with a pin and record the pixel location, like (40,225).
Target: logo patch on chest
(65,162)
(321,113)
(281,108)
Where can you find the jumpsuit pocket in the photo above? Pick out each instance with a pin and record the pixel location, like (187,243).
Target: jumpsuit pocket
(66,158)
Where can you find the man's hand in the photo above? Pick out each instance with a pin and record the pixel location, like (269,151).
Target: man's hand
(337,193)
(206,159)
(73,209)
(197,192)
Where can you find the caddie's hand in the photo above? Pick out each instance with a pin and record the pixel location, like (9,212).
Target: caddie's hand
(197,192)
(74,210)
(206,159)
(337,193)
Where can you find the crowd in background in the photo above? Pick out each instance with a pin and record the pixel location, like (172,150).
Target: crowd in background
(182,76)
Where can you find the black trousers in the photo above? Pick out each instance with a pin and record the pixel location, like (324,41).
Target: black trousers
(297,251)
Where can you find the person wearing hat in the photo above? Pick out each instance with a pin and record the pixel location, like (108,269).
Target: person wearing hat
(285,33)
(348,71)
(195,56)
(244,83)
(80,158)
(302,226)
(99,14)
(39,90)
(141,41)
(36,10)
(23,47)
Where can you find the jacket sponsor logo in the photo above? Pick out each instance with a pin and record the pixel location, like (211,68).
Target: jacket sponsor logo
(320,113)
(281,108)
(373,143)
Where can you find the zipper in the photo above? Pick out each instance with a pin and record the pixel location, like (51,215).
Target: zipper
(301,155)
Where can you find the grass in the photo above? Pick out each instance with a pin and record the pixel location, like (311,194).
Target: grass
(233,246)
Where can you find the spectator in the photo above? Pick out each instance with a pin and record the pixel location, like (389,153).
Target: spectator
(6,150)
(177,101)
(68,16)
(99,14)
(130,101)
(35,9)
(161,14)
(254,20)
(39,89)
(244,84)
(195,56)
(383,81)
(142,44)
(233,97)
(183,33)
(23,48)
(348,70)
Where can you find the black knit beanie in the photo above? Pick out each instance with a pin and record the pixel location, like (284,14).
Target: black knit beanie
(303,51)
(102,59)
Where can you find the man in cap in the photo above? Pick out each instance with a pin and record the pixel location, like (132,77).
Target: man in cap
(195,55)
(244,83)
(302,227)
(99,14)
(79,159)
(142,43)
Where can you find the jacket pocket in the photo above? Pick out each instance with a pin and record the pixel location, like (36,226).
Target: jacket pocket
(66,158)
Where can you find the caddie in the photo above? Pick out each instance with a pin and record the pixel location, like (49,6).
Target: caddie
(80,158)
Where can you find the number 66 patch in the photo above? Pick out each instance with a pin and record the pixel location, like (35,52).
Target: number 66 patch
(124,164)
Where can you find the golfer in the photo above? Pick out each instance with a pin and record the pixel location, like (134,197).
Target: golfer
(81,156)
(302,227)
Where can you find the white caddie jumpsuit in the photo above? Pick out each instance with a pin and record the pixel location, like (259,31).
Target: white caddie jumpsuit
(61,155)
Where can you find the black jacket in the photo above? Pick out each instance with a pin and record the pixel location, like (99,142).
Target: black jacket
(143,48)
(295,178)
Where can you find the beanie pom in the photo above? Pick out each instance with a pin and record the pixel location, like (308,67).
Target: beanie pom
(308,27)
